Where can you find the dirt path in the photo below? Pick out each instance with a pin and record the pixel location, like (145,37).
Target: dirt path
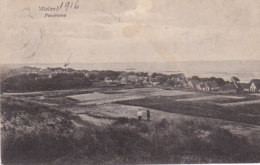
(53,92)
(240,103)
(213,97)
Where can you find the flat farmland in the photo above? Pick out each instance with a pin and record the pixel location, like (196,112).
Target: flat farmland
(98,98)
(242,108)
(196,106)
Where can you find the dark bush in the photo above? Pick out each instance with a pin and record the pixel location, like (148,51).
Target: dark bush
(125,120)
(233,148)
(162,124)
(43,146)
(23,82)
(142,127)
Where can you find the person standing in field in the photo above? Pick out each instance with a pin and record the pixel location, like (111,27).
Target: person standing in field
(139,114)
(148,115)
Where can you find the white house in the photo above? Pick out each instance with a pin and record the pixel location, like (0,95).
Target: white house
(123,80)
(132,78)
(255,86)
(108,79)
(193,84)
(50,76)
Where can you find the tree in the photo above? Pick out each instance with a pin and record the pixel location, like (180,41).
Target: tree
(92,77)
(154,75)
(195,78)
(235,79)
(220,81)
(212,78)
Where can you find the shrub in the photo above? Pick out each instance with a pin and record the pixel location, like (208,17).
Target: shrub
(142,127)
(125,120)
(43,146)
(232,148)
(163,124)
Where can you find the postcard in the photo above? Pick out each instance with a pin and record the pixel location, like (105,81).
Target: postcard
(130,81)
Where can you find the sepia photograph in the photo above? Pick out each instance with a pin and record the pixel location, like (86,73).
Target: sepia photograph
(86,82)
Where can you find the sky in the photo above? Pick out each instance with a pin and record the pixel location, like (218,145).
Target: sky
(104,31)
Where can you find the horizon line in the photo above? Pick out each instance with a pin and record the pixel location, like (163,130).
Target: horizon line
(130,62)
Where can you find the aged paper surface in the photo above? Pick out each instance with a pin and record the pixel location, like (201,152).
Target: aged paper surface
(130,81)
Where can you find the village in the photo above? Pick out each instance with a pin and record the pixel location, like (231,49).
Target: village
(32,75)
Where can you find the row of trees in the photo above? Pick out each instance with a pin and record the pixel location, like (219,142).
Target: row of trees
(100,75)
(32,82)
(219,81)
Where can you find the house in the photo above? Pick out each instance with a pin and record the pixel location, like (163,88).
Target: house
(192,83)
(178,85)
(201,87)
(108,79)
(183,83)
(211,86)
(123,80)
(40,97)
(141,78)
(87,75)
(245,86)
(204,79)
(155,83)
(177,77)
(132,78)
(198,86)
(154,80)
(159,78)
(145,81)
(50,76)
(43,76)
(58,71)
(255,85)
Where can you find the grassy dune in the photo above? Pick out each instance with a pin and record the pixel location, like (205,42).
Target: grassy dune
(38,134)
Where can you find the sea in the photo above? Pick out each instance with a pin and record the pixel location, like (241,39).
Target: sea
(244,70)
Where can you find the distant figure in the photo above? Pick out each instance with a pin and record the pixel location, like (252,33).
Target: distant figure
(148,115)
(139,114)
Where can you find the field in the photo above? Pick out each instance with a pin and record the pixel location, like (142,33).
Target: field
(122,95)
(99,126)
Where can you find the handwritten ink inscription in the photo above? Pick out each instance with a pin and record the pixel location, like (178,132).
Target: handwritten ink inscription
(69,5)
(62,8)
